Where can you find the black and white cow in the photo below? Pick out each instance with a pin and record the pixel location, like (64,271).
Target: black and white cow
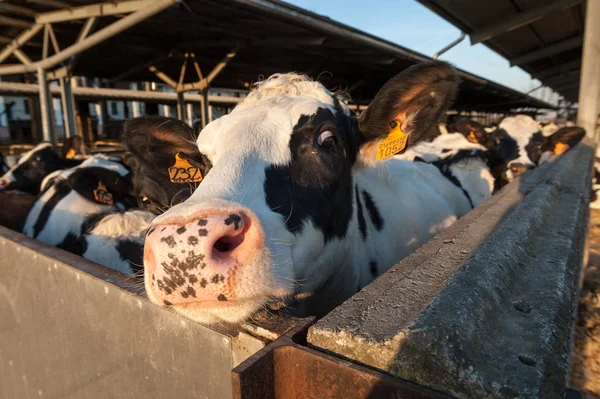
(154,142)
(115,240)
(519,145)
(75,194)
(36,164)
(296,204)
(84,210)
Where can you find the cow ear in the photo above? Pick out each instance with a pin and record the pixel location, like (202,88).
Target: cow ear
(410,104)
(473,131)
(563,139)
(72,146)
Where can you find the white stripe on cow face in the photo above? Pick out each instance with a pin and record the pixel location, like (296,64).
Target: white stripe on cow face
(526,133)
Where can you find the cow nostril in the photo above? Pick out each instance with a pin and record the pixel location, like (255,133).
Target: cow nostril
(222,245)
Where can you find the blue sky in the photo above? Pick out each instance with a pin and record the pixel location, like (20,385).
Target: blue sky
(409,24)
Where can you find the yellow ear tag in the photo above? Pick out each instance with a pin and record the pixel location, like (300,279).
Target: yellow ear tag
(183,172)
(561,148)
(394,143)
(71,153)
(102,195)
(471,138)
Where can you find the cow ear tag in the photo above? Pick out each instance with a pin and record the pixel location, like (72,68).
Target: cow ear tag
(560,148)
(102,195)
(71,153)
(472,139)
(394,143)
(183,172)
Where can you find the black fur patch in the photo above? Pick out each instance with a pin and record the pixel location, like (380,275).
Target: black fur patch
(133,252)
(192,240)
(374,214)
(373,269)
(202,232)
(75,245)
(317,183)
(181,230)
(202,222)
(62,190)
(222,298)
(362,224)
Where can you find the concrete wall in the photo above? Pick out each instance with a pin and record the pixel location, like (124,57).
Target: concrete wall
(486,308)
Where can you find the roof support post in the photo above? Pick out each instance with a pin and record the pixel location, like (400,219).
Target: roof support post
(589,89)
(181,114)
(46,107)
(521,19)
(66,96)
(205,108)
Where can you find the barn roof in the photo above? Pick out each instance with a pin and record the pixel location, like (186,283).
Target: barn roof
(267,36)
(543,37)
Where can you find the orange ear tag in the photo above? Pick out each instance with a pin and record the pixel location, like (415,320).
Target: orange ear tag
(561,148)
(393,144)
(102,195)
(71,153)
(472,139)
(183,172)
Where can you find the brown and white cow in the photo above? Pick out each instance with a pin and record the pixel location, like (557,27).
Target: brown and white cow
(296,204)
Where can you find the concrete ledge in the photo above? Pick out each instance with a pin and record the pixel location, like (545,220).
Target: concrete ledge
(484,309)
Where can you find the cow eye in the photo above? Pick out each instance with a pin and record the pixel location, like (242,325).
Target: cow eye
(145,200)
(327,140)
(38,158)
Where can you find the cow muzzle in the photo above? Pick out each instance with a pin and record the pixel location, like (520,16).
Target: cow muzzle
(199,258)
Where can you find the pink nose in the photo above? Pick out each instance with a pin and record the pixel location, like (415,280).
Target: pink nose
(196,260)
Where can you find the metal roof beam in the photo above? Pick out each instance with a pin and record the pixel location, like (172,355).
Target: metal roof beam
(51,3)
(92,40)
(556,70)
(18,10)
(520,19)
(19,41)
(93,10)
(19,23)
(574,74)
(547,51)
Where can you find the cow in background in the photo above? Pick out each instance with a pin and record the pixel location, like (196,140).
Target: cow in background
(156,145)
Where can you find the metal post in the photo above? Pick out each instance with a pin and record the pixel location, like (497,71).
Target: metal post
(589,89)
(181,107)
(205,105)
(46,107)
(66,96)
(190,114)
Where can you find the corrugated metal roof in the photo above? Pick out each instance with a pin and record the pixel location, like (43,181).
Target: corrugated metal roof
(549,47)
(273,36)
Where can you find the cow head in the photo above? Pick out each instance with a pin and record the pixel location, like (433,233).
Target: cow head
(272,218)
(156,144)
(518,144)
(34,165)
